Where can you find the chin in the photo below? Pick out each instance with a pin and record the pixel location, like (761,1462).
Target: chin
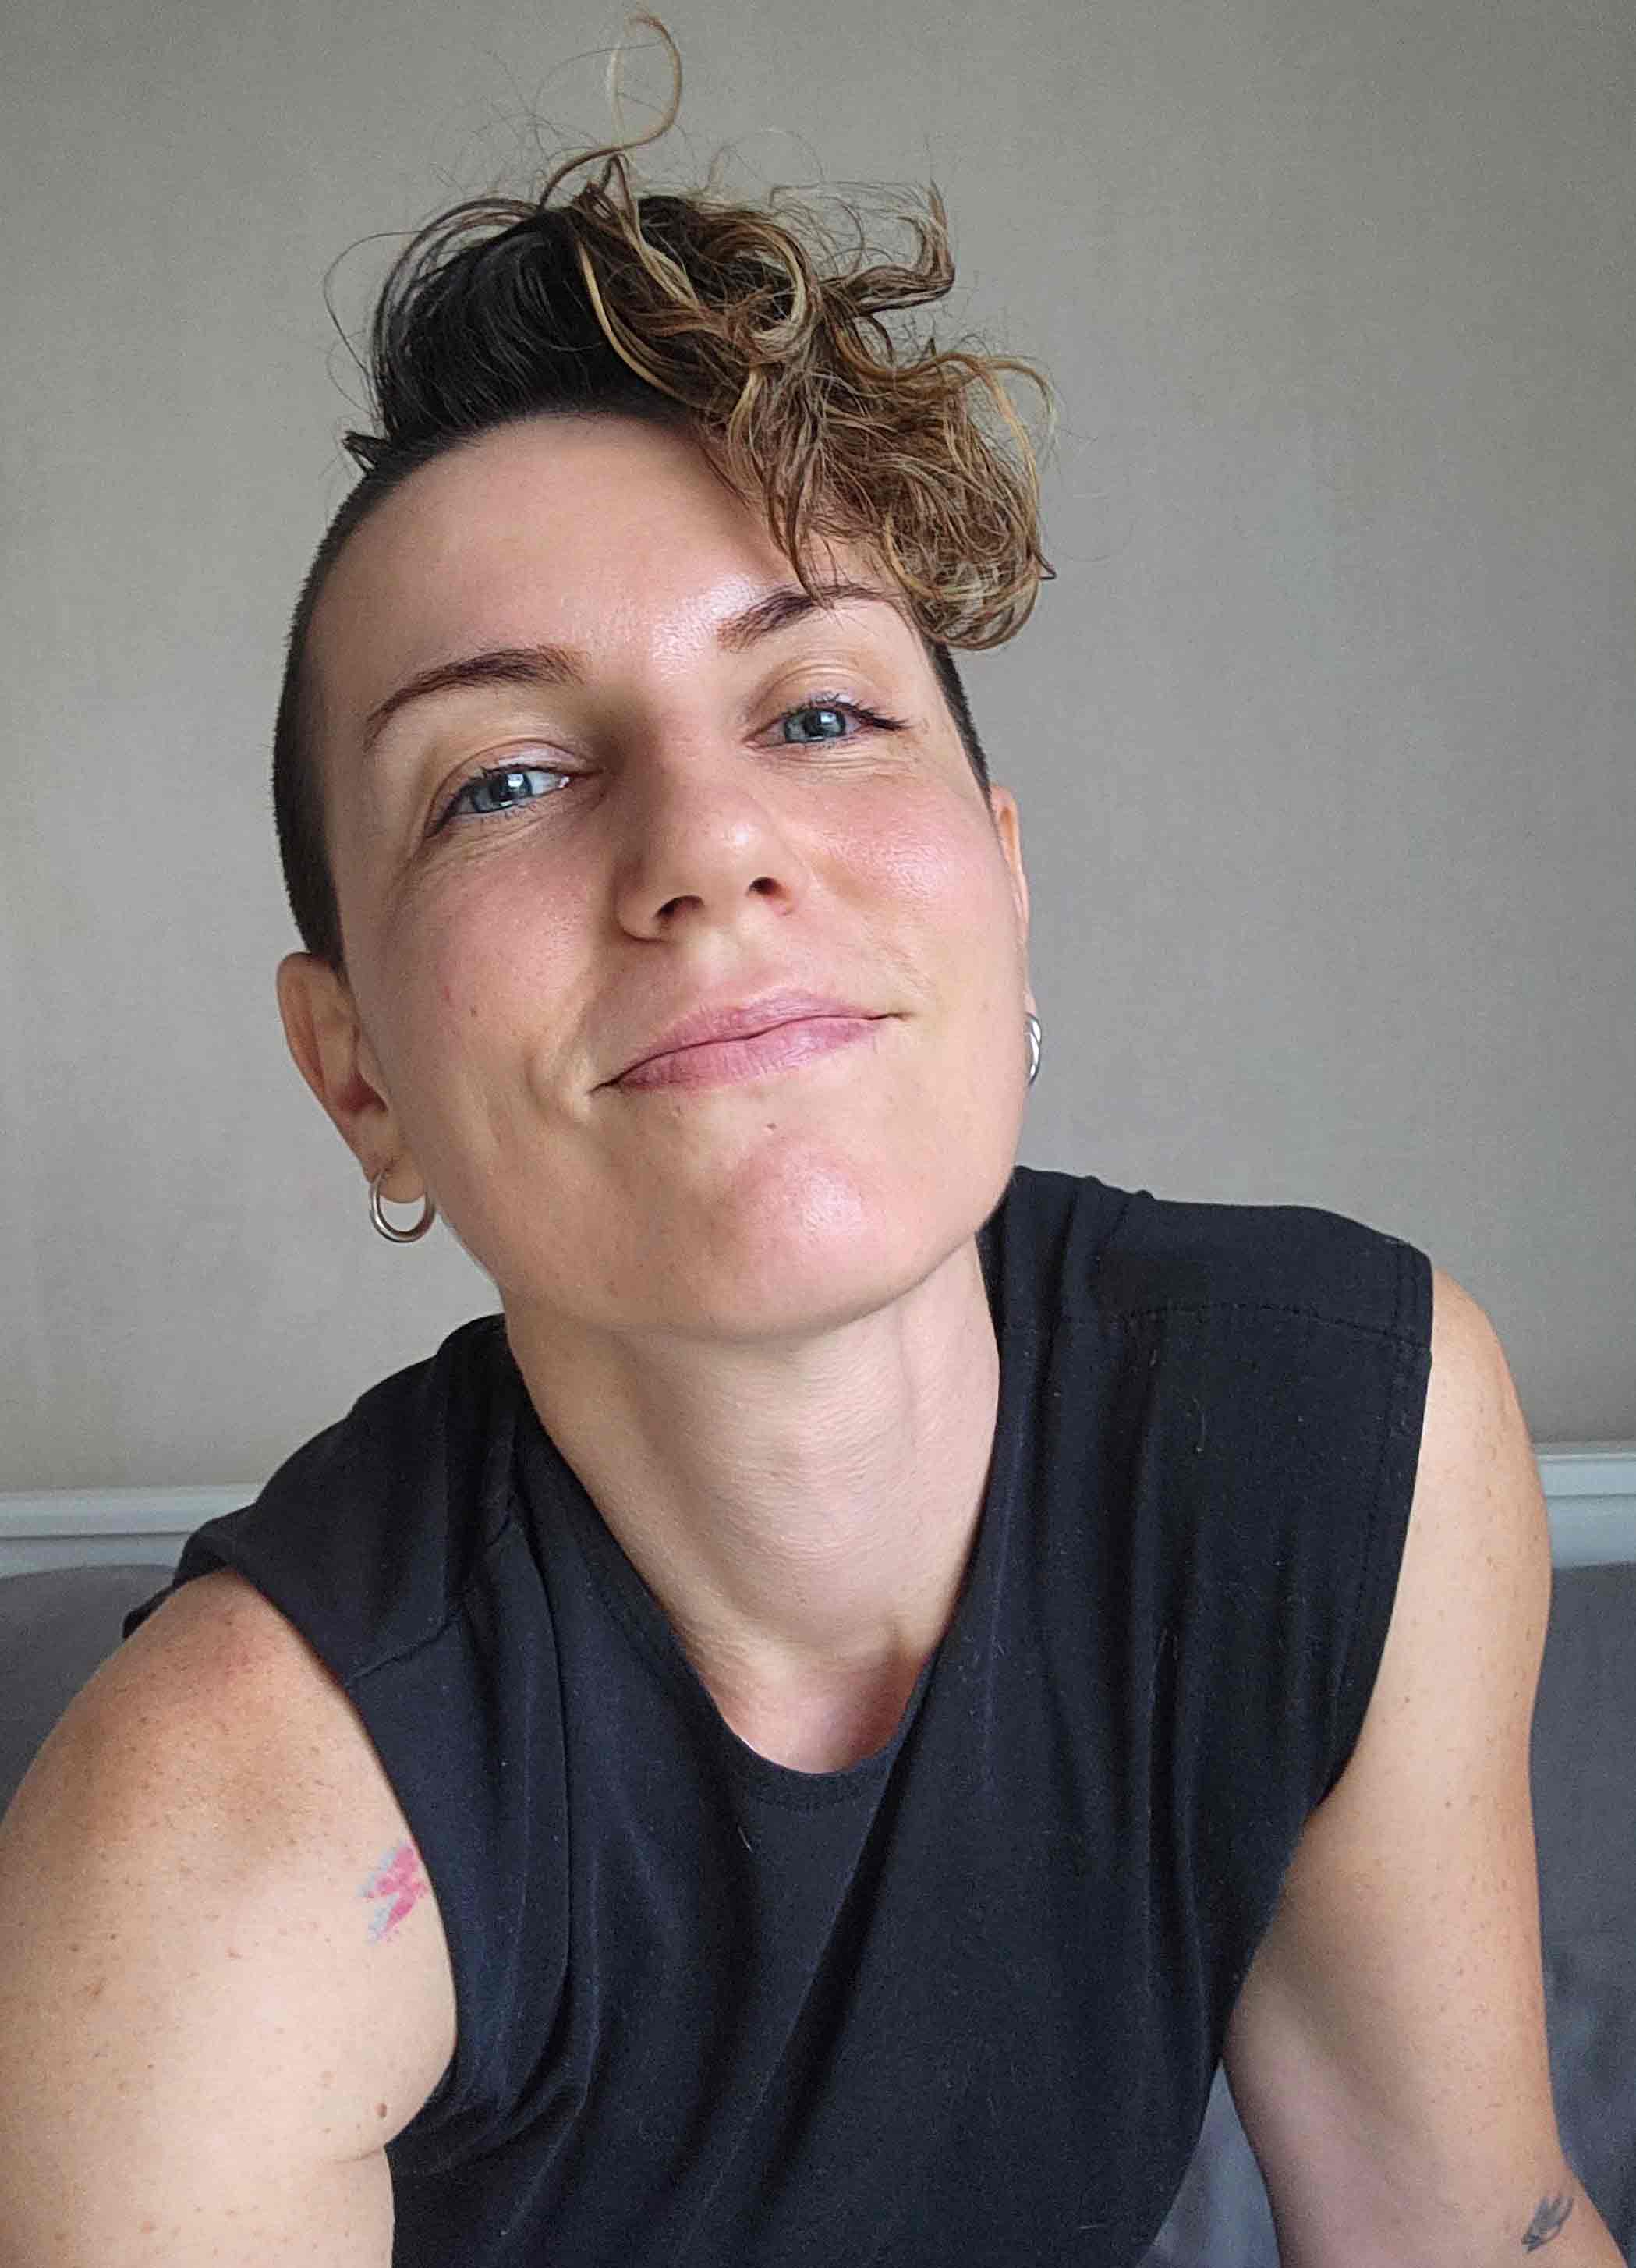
(808,1241)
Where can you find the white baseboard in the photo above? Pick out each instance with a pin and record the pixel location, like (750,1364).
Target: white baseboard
(84,1527)
(1591,1488)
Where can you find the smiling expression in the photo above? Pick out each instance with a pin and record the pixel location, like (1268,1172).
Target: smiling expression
(591,759)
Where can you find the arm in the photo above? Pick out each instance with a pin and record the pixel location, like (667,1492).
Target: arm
(1388,2053)
(200,2053)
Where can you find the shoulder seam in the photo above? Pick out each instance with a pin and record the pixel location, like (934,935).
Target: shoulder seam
(455,1608)
(1392,1330)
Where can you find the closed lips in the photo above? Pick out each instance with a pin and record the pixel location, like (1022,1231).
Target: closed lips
(741,1021)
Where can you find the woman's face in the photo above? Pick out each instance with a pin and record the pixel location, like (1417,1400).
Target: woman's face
(685,821)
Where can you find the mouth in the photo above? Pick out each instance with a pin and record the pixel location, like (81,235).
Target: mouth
(741,1019)
(775,1049)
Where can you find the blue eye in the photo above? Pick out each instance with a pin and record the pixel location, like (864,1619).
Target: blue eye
(494,784)
(492,793)
(824,707)
(837,710)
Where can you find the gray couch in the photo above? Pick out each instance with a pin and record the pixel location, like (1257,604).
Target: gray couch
(55,1628)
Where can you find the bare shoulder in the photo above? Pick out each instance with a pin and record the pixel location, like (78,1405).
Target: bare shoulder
(1388,2054)
(213,1790)
(317,1804)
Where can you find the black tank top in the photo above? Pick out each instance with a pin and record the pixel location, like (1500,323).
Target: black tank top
(959,2006)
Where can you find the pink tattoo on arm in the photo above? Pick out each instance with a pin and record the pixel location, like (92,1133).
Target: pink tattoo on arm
(399,1884)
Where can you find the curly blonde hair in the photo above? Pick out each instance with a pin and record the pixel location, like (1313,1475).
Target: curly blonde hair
(747,327)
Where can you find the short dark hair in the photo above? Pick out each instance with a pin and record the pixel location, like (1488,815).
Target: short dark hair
(710,318)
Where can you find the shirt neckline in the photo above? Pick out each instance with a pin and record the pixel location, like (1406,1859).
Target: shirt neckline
(547,1481)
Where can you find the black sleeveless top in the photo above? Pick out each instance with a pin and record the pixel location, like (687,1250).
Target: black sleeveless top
(959,2006)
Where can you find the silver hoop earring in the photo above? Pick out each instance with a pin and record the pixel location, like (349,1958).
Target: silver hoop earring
(1033,1023)
(398,1235)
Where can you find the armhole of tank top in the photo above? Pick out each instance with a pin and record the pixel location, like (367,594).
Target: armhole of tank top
(1386,1512)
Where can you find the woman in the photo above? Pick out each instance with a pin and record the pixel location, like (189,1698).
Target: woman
(811,1734)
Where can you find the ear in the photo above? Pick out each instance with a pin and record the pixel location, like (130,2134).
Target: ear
(333,1053)
(1007,826)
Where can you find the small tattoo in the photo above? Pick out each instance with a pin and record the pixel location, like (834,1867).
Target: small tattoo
(398,1880)
(1550,2218)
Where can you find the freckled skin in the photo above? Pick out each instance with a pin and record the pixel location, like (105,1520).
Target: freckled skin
(399,1881)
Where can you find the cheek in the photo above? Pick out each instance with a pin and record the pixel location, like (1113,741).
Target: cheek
(934,854)
(478,962)
(958,879)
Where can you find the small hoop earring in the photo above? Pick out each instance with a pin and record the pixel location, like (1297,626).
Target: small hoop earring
(399,1235)
(1033,1023)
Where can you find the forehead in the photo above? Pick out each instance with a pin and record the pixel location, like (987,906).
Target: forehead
(608,536)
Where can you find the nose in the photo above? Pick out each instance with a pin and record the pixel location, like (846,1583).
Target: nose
(704,838)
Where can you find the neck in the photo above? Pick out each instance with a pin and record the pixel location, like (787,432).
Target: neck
(803,1516)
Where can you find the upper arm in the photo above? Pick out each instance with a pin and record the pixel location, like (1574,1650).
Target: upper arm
(1388,2053)
(198,2061)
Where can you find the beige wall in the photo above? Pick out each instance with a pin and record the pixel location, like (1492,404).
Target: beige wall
(1323,736)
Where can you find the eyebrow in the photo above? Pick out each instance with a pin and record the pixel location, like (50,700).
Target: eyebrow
(776,610)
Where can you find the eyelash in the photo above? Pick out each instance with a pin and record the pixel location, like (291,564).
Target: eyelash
(854,708)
